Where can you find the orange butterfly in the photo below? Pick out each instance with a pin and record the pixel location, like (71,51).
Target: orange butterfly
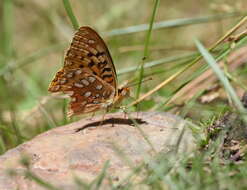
(88,75)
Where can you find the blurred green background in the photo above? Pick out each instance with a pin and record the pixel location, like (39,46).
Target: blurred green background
(34,36)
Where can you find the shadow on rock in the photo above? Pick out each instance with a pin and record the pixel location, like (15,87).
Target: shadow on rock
(112,121)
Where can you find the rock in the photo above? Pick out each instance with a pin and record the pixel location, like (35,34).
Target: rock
(82,148)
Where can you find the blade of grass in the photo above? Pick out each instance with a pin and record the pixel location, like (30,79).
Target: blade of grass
(70,13)
(170,23)
(2,145)
(180,87)
(8,132)
(30,59)
(213,64)
(146,46)
(25,161)
(65,119)
(7,29)
(157,62)
(99,179)
(50,121)
(145,136)
(120,153)
(81,184)
(40,181)
(234,79)
(15,126)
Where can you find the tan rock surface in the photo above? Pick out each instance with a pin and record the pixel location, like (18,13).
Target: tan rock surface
(58,155)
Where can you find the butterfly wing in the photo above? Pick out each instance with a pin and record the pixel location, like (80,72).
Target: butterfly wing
(88,50)
(88,92)
(88,74)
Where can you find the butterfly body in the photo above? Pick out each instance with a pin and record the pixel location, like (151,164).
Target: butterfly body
(88,75)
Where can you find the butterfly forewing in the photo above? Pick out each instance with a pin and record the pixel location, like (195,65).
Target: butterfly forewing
(88,50)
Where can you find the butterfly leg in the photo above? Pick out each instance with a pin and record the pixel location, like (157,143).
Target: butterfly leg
(103,117)
(123,108)
(125,114)
(137,111)
(107,110)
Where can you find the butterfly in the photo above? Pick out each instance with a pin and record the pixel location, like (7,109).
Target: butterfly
(88,76)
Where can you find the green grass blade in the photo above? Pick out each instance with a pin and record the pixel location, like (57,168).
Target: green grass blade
(2,146)
(145,53)
(50,121)
(158,62)
(7,28)
(99,179)
(31,58)
(70,13)
(171,23)
(40,181)
(213,64)
(16,127)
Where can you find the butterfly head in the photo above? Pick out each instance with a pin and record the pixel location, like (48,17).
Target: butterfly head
(121,94)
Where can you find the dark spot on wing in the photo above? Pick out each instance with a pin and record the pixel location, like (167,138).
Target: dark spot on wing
(91,64)
(107,76)
(90,54)
(106,69)
(110,81)
(99,54)
(102,64)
